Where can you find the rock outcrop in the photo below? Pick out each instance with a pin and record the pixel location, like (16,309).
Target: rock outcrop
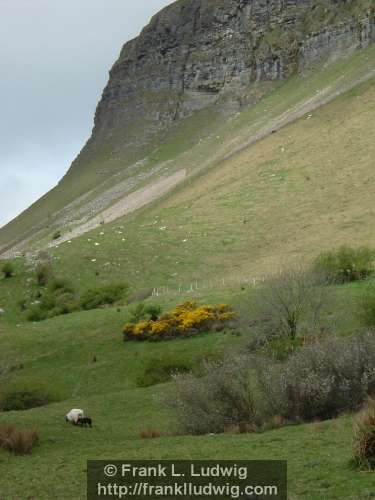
(196,53)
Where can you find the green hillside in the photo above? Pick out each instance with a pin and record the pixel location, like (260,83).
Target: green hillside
(291,195)
(57,355)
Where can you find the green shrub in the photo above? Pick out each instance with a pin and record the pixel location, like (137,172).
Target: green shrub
(56,299)
(44,273)
(101,296)
(153,311)
(142,311)
(22,304)
(366,308)
(24,398)
(64,303)
(36,313)
(364,437)
(56,235)
(346,264)
(7,270)
(137,313)
(60,285)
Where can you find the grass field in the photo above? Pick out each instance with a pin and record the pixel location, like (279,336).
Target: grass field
(57,355)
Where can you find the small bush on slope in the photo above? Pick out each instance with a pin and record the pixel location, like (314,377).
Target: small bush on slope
(223,397)
(57,298)
(366,308)
(289,303)
(56,235)
(7,270)
(104,295)
(346,264)
(142,311)
(43,273)
(17,441)
(364,437)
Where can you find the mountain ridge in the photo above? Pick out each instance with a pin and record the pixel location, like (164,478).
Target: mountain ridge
(195,56)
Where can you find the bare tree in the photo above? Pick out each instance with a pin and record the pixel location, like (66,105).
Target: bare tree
(287,300)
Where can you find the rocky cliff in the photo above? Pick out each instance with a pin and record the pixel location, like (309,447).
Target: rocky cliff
(196,53)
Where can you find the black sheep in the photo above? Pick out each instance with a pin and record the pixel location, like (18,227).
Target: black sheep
(84,421)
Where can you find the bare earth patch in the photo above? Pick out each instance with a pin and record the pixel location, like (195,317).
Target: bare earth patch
(128,204)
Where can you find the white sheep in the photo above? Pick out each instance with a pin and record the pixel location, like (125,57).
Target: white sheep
(74,415)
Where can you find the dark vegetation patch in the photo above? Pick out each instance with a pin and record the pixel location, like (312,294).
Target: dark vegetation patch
(8,270)
(56,235)
(19,398)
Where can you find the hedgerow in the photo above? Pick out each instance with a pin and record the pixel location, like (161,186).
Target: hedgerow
(253,392)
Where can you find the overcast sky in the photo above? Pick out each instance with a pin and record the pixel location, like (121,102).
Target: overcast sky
(54,57)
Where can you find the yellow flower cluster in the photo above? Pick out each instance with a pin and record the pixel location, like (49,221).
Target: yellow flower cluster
(185,319)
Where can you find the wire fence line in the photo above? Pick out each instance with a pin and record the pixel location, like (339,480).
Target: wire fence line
(206,285)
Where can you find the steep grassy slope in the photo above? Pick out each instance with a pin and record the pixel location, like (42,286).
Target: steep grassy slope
(303,189)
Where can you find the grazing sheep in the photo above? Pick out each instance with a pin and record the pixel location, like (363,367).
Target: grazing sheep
(74,415)
(84,421)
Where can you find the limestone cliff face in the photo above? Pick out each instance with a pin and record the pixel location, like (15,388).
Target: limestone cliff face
(195,53)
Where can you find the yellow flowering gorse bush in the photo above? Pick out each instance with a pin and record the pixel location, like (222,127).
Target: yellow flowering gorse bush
(184,320)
